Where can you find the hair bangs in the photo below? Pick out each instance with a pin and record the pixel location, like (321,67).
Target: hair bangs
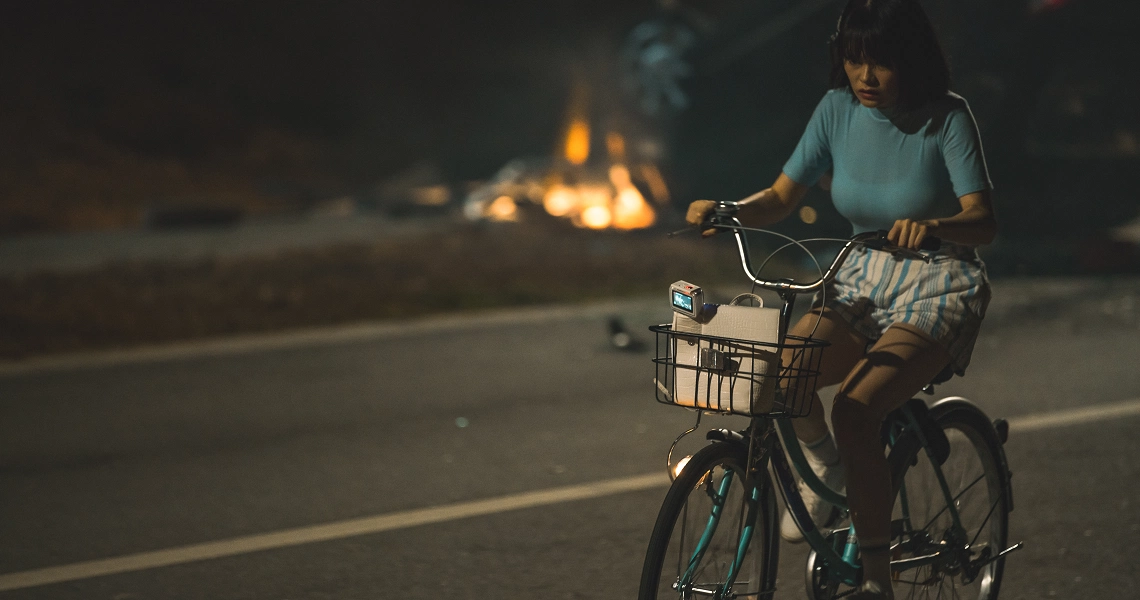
(866,43)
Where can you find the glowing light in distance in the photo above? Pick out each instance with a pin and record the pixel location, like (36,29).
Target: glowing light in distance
(619,176)
(597,217)
(578,142)
(503,209)
(808,215)
(631,211)
(560,200)
(596,200)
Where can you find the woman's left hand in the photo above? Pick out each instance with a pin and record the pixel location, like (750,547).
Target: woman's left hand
(908,233)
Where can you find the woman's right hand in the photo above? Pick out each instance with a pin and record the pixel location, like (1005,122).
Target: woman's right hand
(699,212)
(765,207)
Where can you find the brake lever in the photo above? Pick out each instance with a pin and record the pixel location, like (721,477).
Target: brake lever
(880,242)
(705,225)
(720,218)
(702,227)
(908,253)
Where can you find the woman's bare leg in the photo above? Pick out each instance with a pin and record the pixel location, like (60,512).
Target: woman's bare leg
(846,349)
(903,361)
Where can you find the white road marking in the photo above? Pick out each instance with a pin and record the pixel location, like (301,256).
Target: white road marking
(327,531)
(1074,416)
(324,336)
(424,516)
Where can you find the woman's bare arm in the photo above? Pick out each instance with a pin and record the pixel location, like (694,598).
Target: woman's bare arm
(762,208)
(974,226)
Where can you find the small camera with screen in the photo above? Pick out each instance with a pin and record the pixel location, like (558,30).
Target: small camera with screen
(687,299)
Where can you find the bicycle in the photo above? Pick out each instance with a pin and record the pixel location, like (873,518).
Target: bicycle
(716,533)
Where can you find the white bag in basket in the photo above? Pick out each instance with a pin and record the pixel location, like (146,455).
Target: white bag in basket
(733,377)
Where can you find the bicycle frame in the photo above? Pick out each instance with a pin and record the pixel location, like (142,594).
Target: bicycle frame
(843,563)
(710,530)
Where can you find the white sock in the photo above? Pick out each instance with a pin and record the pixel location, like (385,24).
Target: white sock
(823,450)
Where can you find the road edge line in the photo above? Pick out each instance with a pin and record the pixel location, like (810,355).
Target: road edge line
(325,532)
(1074,416)
(316,336)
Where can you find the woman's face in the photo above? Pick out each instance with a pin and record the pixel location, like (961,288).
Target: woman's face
(875,86)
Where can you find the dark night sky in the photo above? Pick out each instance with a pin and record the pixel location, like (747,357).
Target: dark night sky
(414,72)
(343,94)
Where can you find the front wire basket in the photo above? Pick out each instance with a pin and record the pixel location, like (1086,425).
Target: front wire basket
(737,376)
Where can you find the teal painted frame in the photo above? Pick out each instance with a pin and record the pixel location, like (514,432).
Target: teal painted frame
(710,530)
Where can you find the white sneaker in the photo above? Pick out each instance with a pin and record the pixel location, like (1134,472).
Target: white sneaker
(823,513)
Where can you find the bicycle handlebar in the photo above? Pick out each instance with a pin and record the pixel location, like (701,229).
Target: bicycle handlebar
(724,218)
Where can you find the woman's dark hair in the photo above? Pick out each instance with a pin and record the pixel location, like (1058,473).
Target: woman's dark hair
(895,34)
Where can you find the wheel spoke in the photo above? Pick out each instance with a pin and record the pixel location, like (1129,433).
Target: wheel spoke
(973,492)
(956,498)
(986,520)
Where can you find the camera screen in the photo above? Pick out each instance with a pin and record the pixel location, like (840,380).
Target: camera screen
(683,302)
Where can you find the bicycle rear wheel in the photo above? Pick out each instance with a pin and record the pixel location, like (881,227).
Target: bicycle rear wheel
(691,551)
(976,476)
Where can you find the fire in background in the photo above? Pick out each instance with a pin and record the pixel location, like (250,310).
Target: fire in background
(591,191)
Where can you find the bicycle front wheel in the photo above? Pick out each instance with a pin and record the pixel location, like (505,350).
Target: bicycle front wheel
(975,476)
(713,522)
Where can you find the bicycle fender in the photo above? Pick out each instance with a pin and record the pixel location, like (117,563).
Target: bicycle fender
(986,426)
(934,436)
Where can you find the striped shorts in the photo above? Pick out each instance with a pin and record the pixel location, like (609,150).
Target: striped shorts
(946,297)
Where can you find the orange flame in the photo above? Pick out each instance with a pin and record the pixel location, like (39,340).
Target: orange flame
(560,201)
(595,207)
(598,206)
(630,210)
(578,141)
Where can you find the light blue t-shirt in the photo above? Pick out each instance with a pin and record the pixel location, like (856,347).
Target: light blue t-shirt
(912,166)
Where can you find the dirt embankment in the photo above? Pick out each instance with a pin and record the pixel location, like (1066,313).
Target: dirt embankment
(474,267)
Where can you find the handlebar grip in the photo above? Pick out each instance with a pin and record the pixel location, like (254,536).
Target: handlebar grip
(720,217)
(930,242)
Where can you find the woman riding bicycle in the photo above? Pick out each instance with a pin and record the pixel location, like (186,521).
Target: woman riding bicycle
(899,152)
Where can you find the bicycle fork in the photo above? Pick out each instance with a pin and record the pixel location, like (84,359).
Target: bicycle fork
(757,463)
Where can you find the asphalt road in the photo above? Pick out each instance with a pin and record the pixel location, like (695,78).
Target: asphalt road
(187,457)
